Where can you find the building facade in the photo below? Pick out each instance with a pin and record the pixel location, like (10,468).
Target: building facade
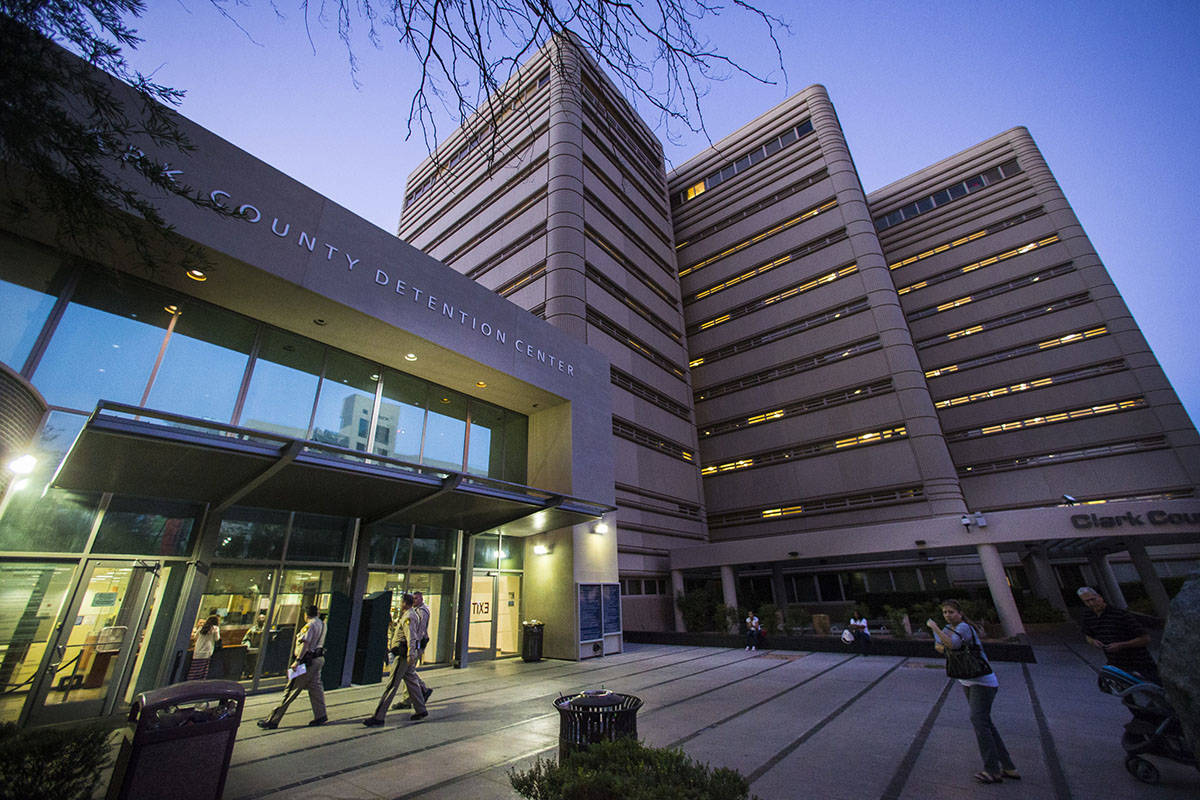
(891,393)
(318,414)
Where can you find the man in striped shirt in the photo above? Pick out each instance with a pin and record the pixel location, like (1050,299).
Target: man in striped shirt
(1118,634)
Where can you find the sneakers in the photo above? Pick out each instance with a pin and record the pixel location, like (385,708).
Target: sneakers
(312,723)
(428,692)
(419,717)
(371,722)
(747,648)
(753,648)
(267,725)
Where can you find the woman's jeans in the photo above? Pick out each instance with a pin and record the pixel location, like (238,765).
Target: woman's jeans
(991,746)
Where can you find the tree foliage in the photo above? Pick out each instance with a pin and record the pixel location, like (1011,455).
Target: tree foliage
(70,136)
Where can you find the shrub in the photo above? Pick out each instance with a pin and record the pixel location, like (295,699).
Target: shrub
(796,617)
(628,770)
(51,763)
(1036,610)
(699,608)
(768,615)
(895,618)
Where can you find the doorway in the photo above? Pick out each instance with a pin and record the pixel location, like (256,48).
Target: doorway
(93,649)
(495,619)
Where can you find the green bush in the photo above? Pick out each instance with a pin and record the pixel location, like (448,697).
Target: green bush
(796,617)
(768,615)
(628,770)
(51,763)
(1036,610)
(895,618)
(701,609)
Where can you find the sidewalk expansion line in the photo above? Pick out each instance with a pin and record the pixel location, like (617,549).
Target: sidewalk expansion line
(560,665)
(456,740)
(1058,778)
(900,777)
(771,699)
(808,734)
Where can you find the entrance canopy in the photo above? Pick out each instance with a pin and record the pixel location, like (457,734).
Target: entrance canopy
(136,451)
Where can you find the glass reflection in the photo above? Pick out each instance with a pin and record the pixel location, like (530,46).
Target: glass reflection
(252,533)
(284,385)
(142,526)
(319,538)
(347,397)
(26,295)
(445,431)
(401,417)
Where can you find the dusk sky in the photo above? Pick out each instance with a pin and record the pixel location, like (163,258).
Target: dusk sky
(1108,90)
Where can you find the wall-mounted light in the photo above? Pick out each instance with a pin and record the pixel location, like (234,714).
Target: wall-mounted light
(22,465)
(600,527)
(540,549)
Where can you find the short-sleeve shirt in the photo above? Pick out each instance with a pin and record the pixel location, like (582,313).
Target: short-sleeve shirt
(855,621)
(1118,625)
(960,634)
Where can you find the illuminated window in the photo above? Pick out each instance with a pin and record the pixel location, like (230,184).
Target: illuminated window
(987,262)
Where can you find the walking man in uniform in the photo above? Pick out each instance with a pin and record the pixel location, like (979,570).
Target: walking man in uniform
(420,634)
(406,650)
(310,653)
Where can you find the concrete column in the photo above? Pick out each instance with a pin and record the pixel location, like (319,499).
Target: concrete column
(1045,582)
(729,592)
(1154,587)
(1107,580)
(778,588)
(1002,598)
(676,593)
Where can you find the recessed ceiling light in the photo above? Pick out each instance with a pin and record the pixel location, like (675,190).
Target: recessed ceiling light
(410,356)
(319,321)
(197,275)
(446,400)
(375,376)
(171,309)
(481,384)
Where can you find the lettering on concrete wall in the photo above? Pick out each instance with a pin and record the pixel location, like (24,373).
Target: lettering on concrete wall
(1085,522)
(422,297)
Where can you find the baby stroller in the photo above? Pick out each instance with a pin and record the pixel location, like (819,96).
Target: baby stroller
(1154,729)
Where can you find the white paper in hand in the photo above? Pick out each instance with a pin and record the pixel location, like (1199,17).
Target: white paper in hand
(297,672)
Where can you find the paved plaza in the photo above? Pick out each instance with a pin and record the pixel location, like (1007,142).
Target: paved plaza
(798,725)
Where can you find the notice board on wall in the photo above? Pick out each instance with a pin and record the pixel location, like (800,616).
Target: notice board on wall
(599,610)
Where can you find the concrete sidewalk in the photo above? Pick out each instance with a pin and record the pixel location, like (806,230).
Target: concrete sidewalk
(798,725)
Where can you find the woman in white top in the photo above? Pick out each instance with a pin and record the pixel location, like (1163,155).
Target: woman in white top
(206,643)
(862,635)
(980,692)
(753,631)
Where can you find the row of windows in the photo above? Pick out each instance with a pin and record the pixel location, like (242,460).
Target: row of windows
(823,505)
(951,274)
(643,586)
(1011,222)
(623,296)
(626,338)
(650,159)
(1016,352)
(993,291)
(521,281)
(759,303)
(744,211)
(511,212)
(806,249)
(486,134)
(799,407)
(834,587)
(1106,368)
(791,368)
(649,394)
(782,332)
(616,254)
(122,340)
(658,503)
(1047,419)
(948,195)
(640,181)
(761,235)
(602,209)
(510,249)
(629,205)
(808,450)
(1023,315)
(1180,494)
(1064,456)
(744,163)
(647,438)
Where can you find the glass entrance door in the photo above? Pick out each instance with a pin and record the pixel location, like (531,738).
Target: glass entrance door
(495,616)
(94,643)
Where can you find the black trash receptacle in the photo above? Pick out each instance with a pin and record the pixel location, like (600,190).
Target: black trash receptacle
(178,742)
(531,642)
(595,716)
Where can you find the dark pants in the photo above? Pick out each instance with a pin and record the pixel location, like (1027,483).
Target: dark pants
(401,671)
(310,681)
(864,642)
(991,746)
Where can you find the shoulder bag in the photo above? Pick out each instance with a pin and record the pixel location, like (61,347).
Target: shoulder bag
(968,660)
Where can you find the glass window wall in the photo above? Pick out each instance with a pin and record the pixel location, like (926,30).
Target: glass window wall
(27,295)
(316,537)
(283,385)
(140,526)
(445,430)
(401,417)
(252,533)
(346,400)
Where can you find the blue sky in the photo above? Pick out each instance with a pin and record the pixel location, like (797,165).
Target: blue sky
(1107,89)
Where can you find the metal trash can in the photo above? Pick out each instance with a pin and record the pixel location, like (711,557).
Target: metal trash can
(531,640)
(595,716)
(178,742)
